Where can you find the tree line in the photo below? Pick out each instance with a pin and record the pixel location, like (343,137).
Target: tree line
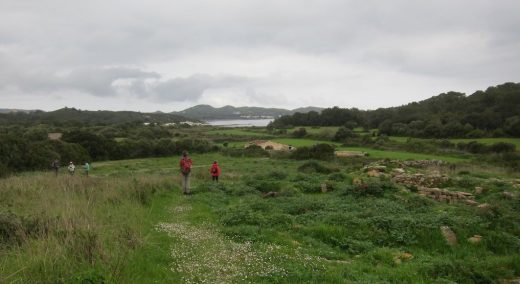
(494,112)
(29,148)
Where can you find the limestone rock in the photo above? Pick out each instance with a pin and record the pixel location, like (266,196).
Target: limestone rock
(484,206)
(475,239)
(324,187)
(479,190)
(402,256)
(375,167)
(449,235)
(508,195)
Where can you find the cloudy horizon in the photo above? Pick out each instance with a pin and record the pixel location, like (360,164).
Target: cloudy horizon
(170,55)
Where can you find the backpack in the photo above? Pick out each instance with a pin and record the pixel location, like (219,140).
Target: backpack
(186,166)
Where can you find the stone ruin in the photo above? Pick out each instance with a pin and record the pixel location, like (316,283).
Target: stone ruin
(444,195)
(399,176)
(426,184)
(419,163)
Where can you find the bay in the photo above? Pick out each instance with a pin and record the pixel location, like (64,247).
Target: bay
(239,122)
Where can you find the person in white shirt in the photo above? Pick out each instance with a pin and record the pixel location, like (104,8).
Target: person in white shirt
(71,168)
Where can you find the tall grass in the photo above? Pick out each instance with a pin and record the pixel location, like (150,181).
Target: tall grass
(72,229)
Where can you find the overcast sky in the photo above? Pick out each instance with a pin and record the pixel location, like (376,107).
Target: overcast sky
(169,55)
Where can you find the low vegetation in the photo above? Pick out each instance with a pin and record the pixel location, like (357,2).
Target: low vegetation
(329,222)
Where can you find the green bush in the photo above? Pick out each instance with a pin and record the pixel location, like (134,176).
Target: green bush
(264,185)
(320,151)
(372,187)
(315,167)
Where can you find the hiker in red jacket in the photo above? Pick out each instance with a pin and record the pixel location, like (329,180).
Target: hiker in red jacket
(215,171)
(185,165)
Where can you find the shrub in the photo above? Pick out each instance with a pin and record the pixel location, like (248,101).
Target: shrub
(315,167)
(264,185)
(502,147)
(337,176)
(308,186)
(344,133)
(320,151)
(299,133)
(11,229)
(277,175)
(243,214)
(372,187)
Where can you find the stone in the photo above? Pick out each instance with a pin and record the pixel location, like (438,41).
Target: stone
(402,256)
(373,173)
(398,171)
(471,202)
(270,194)
(324,187)
(377,168)
(357,181)
(479,190)
(449,235)
(476,239)
(484,206)
(508,195)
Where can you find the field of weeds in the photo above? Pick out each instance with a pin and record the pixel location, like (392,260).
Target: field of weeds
(267,221)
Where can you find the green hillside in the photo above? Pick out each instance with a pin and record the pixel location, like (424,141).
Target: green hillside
(72,116)
(207,112)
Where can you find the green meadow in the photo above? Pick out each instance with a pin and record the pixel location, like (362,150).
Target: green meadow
(270,219)
(129,223)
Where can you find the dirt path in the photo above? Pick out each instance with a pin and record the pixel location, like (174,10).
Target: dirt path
(201,254)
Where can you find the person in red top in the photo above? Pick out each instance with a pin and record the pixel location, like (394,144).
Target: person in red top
(215,171)
(185,166)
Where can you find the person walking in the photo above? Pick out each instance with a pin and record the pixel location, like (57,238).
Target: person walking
(55,166)
(185,165)
(86,167)
(215,171)
(71,168)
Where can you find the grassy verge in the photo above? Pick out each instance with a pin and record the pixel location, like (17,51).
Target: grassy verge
(74,229)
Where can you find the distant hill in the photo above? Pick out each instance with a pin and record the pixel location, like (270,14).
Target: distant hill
(12,110)
(68,116)
(207,112)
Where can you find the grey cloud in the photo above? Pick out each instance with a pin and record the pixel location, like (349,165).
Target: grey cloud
(57,45)
(99,82)
(192,88)
(96,81)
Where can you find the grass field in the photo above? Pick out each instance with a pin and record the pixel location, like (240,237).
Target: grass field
(399,155)
(128,223)
(515,141)
(296,142)
(402,155)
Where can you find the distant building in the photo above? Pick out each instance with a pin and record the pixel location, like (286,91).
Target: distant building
(55,136)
